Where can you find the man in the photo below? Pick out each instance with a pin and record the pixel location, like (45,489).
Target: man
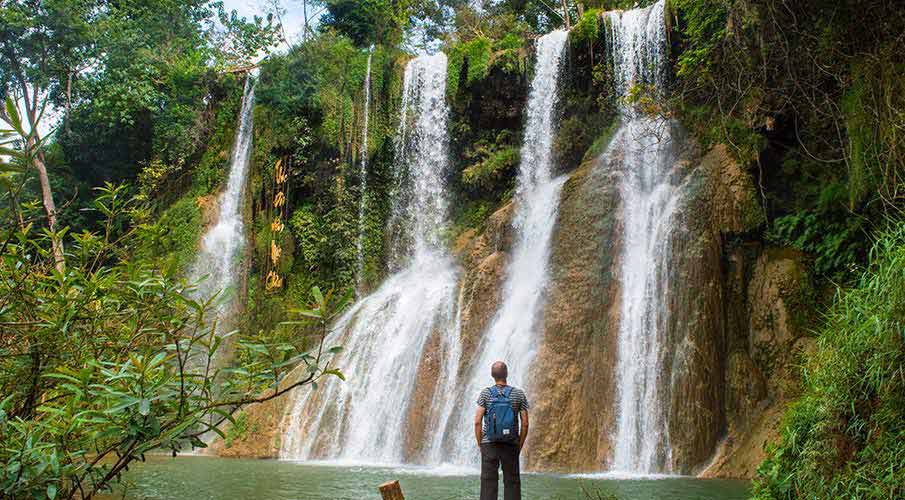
(499,436)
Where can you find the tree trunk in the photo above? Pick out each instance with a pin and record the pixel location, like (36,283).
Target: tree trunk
(391,490)
(50,207)
(565,15)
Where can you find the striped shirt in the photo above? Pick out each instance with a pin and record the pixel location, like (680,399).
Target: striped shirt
(519,403)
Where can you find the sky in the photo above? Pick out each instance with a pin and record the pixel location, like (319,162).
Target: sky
(292,20)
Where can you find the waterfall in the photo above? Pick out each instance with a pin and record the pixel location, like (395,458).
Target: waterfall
(515,331)
(217,263)
(650,199)
(363,176)
(385,334)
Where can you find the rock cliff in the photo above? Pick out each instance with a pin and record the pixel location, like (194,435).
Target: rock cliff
(736,321)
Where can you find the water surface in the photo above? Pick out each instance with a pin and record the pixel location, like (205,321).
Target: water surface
(206,478)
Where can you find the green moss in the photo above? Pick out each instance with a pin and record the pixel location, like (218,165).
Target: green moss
(308,228)
(495,163)
(712,127)
(470,215)
(602,141)
(172,240)
(872,107)
(211,170)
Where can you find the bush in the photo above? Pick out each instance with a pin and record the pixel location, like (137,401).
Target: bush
(845,437)
(492,165)
(109,359)
(835,242)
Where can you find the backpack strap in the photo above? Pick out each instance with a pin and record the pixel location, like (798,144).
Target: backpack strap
(504,392)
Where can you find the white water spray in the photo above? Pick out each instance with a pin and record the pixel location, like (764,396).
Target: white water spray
(363,177)
(384,335)
(217,262)
(515,332)
(650,199)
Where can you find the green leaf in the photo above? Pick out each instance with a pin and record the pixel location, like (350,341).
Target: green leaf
(12,114)
(318,296)
(335,372)
(144,407)
(343,301)
(51,491)
(311,313)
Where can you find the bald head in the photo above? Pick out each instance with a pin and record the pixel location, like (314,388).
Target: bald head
(499,371)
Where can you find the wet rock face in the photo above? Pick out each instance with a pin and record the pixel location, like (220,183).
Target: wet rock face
(484,257)
(696,331)
(735,207)
(745,388)
(573,383)
(418,414)
(777,285)
(766,287)
(261,430)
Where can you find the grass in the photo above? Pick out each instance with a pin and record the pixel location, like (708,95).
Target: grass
(845,437)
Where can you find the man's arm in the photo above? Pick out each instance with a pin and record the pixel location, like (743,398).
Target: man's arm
(478,424)
(523,432)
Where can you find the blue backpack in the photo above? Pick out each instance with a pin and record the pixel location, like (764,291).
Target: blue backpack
(500,421)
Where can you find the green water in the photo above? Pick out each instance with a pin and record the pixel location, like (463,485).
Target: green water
(204,478)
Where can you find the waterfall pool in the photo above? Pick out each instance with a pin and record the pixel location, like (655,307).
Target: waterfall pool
(209,478)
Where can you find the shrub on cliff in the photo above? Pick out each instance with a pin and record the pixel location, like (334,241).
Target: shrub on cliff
(845,437)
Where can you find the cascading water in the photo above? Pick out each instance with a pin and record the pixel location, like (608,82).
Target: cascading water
(515,332)
(216,263)
(363,176)
(650,199)
(384,335)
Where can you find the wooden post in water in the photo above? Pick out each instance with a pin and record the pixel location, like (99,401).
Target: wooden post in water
(391,490)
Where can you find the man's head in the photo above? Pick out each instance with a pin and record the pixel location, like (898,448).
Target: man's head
(499,371)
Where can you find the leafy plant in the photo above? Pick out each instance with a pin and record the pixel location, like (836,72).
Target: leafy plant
(845,437)
(110,359)
(836,243)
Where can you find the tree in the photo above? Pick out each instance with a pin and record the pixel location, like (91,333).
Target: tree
(38,44)
(367,22)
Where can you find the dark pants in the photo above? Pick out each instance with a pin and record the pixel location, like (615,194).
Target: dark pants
(494,455)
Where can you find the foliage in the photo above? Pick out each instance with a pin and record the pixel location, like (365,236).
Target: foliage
(110,359)
(705,27)
(845,437)
(874,119)
(832,100)
(836,242)
(171,240)
(309,114)
(368,22)
(587,28)
(491,164)
(503,50)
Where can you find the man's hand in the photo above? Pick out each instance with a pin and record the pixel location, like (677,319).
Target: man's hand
(478,424)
